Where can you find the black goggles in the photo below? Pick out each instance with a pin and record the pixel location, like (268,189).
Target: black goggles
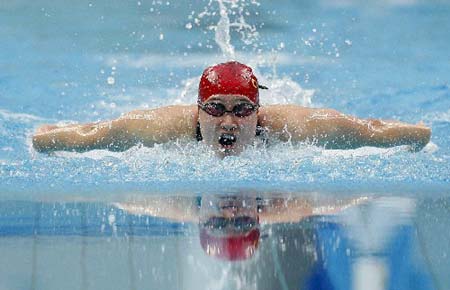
(241,223)
(217,109)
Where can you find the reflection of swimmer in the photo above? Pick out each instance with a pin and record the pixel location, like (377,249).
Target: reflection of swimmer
(226,118)
(229,226)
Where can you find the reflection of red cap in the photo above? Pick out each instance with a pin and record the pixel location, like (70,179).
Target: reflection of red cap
(233,247)
(230,78)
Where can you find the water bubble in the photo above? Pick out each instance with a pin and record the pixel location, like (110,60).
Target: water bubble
(110,80)
(161,36)
(188,25)
(348,42)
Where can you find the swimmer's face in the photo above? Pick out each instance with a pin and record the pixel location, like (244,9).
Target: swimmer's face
(241,212)
(228,134)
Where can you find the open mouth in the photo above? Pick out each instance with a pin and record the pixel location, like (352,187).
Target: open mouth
(227,140)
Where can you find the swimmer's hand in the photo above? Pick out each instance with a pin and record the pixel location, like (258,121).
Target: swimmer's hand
(387,133)
(422,134)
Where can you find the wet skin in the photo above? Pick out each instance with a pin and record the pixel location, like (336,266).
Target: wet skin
(226,127)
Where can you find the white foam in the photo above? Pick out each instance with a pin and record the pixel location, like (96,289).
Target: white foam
(93,154)
(364,151)
(197,161)
(281,91)
(188,93)
(285,91)
(18,117)
(430,148)
(437,117)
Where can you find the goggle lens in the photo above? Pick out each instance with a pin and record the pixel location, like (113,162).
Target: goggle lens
(218,109)
(242,223)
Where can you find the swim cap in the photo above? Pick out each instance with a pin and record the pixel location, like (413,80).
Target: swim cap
(231,248)
(230,78)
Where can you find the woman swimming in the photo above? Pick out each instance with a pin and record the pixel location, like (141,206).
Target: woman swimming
(228,117)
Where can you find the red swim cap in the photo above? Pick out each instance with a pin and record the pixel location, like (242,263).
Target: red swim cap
(230,78)
(231,248)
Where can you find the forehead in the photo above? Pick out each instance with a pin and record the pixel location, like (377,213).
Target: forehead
(229,98)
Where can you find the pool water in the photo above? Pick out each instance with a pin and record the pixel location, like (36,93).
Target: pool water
(384,242)
(79,62)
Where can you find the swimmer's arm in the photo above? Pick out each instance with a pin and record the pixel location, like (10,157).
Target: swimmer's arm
(179,209)
(333,129)
(143,126)
(281,210)
(293,210)
(336,130)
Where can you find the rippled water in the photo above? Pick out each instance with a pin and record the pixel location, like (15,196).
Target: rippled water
(79,62)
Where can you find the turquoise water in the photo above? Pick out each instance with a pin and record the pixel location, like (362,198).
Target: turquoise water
(79,62)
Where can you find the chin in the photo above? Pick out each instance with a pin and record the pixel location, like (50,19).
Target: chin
(223,152)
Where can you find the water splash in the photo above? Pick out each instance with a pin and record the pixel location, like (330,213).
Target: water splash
(285,91)
(222,35)
(232,19)
(282,163)
(232,14)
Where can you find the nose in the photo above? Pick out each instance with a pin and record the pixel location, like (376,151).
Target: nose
(229,212)
(228,123)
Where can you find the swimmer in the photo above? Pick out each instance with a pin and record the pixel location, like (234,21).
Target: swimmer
(228,117)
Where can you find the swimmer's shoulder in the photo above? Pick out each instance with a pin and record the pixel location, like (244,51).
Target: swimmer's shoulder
(166,123)
(169,111)
(281,113)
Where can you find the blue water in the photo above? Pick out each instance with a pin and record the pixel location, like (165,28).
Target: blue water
(75,62)
(383,61)
(96,245)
